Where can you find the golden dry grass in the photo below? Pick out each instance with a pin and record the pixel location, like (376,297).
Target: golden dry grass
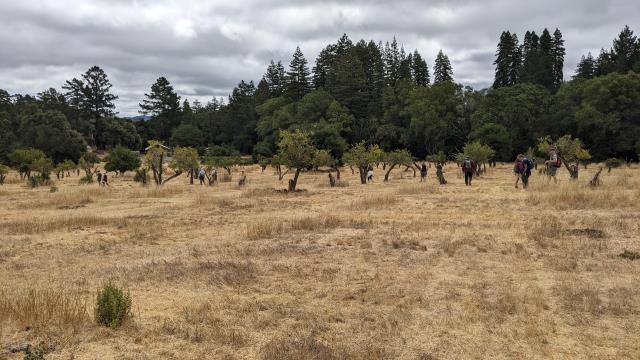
(402,269)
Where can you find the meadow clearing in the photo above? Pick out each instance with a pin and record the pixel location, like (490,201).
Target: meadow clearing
(398,270)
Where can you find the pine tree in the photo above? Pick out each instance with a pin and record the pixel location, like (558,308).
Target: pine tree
(558,52)
(275,78)
(544,73)
(164,105)
(187,113)
(392,62)
(419,70)
(92,97)
(263,93)
(298,76)
(98,97)
(442,71)
(604,63)
(515,63)
(504,60)
(343,46)
(404,72)
(625,51)
(162,100)
(586,67)
(323,67)
(530,57)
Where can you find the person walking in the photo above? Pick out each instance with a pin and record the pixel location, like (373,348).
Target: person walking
(105,181)
(522,169)
(468,168)
(423,173)
(552,165)
(201,175)
(214,176)
(99,177)
(370,174)
(440,174)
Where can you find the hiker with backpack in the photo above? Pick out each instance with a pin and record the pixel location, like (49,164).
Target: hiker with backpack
(468,169)
(439,174)
(423,173)
(201,175)
(552,165)
(522,168)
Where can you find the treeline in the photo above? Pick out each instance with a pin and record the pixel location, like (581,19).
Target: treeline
(358,92)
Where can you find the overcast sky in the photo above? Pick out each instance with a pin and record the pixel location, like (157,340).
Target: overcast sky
(205,47)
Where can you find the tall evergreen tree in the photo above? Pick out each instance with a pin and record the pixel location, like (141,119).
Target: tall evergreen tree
(92,97)
(442,71)
(275,79)
(516,60)
(404,72)
(163,103)
(162,100)
(586,67)
(545,72)
(530,57)
(263,93)
(558,52)
(392,62)
(604,63)
(504,60)
(625,51)
(297,85)
(419,70)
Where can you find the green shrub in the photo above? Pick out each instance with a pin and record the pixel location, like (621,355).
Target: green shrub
(141,176)
(36,353)
(87,179)
(630,255)
(113,306)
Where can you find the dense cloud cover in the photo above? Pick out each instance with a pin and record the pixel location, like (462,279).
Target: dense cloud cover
(204,47)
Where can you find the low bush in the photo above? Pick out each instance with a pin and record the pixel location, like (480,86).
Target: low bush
(630,255)
(113,306)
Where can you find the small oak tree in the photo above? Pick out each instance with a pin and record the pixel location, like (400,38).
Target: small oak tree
(362,157)
(296,151)
(121,160)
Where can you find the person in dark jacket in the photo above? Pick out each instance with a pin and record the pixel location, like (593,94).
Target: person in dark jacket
(522,168)
(469,167)
(423,172)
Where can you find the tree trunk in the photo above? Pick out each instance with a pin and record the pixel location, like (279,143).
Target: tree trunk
(332,180)
(363,175)
(191,177)
(293,182)
(596,179)
(172,177)
(337,172)
(386,176)
(573,172)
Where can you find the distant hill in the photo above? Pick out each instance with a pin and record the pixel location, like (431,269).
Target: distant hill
(140,118)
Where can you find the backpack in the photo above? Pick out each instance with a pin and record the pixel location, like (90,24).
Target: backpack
(529,164)
(467,165)
(558,163)
(519,168)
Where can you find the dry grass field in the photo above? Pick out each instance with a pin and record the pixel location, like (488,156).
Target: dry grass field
(401,270)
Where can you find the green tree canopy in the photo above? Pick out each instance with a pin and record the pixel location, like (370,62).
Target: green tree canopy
(121,160)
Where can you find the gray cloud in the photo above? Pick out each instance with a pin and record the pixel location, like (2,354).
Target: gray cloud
(206,47)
